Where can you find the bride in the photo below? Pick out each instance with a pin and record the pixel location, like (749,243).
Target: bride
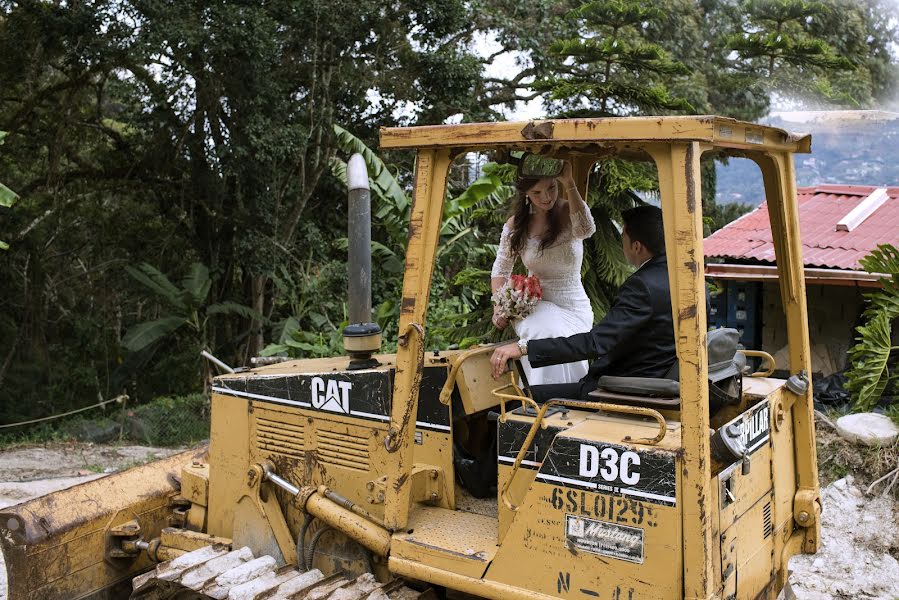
(547,233)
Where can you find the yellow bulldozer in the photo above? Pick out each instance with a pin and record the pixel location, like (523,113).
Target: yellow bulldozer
(341,477)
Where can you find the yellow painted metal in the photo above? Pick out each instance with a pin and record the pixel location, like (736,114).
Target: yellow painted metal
(720,131)
(767,358)
(582,405)
(519,396)
(424,230)
(457,362)
(680,189)
(429,485)
(354,526)
(482,588)
(457,541)
(229,459)
(182,539)
(55,546)
(780,191)
(257,510)
(536,555)
(195,488)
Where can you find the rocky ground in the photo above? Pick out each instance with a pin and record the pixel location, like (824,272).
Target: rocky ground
(859,548)
(857,559)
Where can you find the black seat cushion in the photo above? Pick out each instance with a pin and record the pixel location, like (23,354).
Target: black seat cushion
(642,386)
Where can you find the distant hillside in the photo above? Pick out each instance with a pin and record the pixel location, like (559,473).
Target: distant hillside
(852,147)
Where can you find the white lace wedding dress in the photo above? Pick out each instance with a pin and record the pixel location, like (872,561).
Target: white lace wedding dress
(565,308)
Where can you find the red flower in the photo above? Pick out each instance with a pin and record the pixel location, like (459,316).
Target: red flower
(533,287)
(519,282)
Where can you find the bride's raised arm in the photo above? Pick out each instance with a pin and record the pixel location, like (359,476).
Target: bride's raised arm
(582,223)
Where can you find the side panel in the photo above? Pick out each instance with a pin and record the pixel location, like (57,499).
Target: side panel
(229,459)
(600,520)
(318,429)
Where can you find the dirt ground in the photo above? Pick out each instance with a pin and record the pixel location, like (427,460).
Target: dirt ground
(857,559)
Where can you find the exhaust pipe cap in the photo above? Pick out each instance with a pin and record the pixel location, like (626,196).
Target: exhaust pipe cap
(361,340)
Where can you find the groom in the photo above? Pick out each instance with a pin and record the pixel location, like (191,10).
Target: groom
(636,337)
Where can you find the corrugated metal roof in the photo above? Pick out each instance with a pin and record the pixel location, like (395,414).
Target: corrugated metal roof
(820,208)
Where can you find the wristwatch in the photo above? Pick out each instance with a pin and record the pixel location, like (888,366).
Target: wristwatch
(523,347)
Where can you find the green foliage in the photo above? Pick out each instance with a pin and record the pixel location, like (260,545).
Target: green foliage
(187,306)
(170,421)
(197,133)
(781,42)
(613,64)
(871,358)
(163,421)
(7,196)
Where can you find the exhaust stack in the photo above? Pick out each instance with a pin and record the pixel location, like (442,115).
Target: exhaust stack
(361,338)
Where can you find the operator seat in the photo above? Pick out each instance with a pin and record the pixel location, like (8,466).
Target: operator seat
(725,379)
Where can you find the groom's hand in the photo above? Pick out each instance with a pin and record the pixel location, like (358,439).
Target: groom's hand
(501,356)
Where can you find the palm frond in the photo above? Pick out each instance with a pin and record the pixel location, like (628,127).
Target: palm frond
(233,308)
(197,283)
(157,282)
(869,372)
(144,334)
(383,183)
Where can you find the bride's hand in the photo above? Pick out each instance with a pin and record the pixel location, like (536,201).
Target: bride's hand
(566,177)
(499,321)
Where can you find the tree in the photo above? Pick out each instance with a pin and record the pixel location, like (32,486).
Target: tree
(781,42)
(7,196)
(187,307)
(180,132)
(612,67)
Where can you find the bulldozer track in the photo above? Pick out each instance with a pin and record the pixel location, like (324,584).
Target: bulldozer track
(219,573)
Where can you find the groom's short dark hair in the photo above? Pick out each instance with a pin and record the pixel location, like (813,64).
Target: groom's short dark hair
(644,224)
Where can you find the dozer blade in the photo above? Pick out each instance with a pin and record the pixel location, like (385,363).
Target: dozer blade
(216,573)
(56,546)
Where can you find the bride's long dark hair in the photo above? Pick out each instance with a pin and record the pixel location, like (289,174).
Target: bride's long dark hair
(521,216)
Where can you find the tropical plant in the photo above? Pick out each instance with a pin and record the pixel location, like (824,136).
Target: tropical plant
(7,196)
(871,359)
(186,306)
(463,247)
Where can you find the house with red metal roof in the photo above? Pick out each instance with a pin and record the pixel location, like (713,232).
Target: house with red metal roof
(839,225)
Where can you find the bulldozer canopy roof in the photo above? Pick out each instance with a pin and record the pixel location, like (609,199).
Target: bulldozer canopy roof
(719,132)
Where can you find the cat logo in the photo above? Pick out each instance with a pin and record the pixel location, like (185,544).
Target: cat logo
(333,395)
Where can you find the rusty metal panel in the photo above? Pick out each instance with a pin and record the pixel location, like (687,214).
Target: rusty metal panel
(723,132)
(461,542)
(55,545)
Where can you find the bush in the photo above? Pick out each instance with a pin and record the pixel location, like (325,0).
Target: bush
(169,421)
(165,421)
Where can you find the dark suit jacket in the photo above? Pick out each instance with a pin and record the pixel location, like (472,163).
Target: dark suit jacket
(635,339)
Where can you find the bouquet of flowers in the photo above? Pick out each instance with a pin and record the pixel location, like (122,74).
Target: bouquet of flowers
(518,297)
